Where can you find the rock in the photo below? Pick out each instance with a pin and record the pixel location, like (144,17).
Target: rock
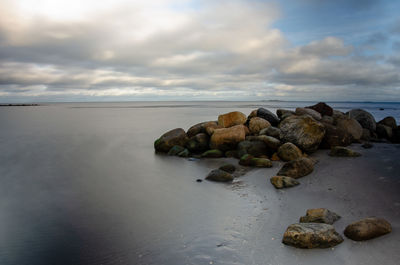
(256,124)
(199,180)
(350,126)
(199,128)
(175,150)
(335,136)
(219,176)
(184,153)
(327,119)
(367,228)
(303,111)
(297,168)
(343,152)
(319,215)
(213,153)
(227,138)
(198,143)
(249,160)
(396,135)
(268,115)
(389,121)
(365,118)
(384,131)
(169,139)
(289,151)
(231,119)
(228,168)
(367,145)
(254,148)
(275,157)
(322,108)
(366,135)
(232,153)
(211,126)
(283,113)
(280,182)
(270,142)
(311,235)
(303,131)
(252,114)
(270,131)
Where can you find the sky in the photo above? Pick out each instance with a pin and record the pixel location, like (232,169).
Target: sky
(121,50)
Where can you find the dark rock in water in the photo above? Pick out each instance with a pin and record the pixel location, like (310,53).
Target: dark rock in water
(351,126)
(311,235)
(232,153)
(281,182)
(283,113)
(322,108)
(256,124)
(367,145)
(219,176)
(367,228)
(228,168)
(198,143)
(199,180)
(175,150)
(297,168)
(227,138)
(169,139)
(389,121)
(303,111)
(184,153)
(231,119)
(289,151)
(303,131)
(384,131)
(335,136)
(270,131)
(396,135)
(254,148)
(343,152)
(213,153)
(268,115)
(249,160)
(381,109)
(319,215)
(365,118)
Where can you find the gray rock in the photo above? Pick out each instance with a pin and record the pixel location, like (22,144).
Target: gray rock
(389,121)
(384,131)
(365,118)
(304,111)
(270,131)
(319,215)
(367,228)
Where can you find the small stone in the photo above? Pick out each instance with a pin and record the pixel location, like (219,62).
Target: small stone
(199,180)
(319,215)
(280,182)
(297,168)
(367,228)
(343,152)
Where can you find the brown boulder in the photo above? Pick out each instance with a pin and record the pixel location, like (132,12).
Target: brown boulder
(389,121)
(227,138)
(384,131)
(351,126)
(367,228)
(256,124)
(303,111)
(170,139)
(281,182)
(231,119)
(319,215)
(335,136)
(322,108)
(297,168)
(289,151)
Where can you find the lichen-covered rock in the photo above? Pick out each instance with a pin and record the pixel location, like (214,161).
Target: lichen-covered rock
(303,131)
(268,115)
(289,151)
(335,136)
(343,152)
(270,131)
(384,131)
(350,126)
(198,143)
(389,121)
(367,228)
(231,119)
(254,148)
(219,176)
(228,168)
(213,153)
(169,139)
(365,118)
(304,111)
(256,124)
(227,138)
(281,182)
(175,150)
(322,108)
(311,235)
(249,160)
(319,215)
(297,168)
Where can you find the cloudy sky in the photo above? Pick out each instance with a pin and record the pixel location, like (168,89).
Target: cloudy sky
(90,50)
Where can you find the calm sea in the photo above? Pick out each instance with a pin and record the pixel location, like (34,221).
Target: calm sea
(80,184)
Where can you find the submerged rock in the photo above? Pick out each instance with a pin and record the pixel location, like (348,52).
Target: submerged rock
(227,138)
(343,152)
(231,119)
(280,182)
(322,108)
(319,215)
(256,124)
(297,168)
(219,176)
(367,228)
(268,115)
(169,139)
(311,235)
(289,151)
(365,118)
(228,168)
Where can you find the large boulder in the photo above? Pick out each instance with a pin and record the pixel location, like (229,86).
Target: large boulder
(297,168)
(384,131)
(303,131)
(343,152)
(256,124)
(284,113)
(335,136)
(169,139)
(319,215)
(304,111)
(289,151)
(365,118)
(227,138)
(389,121)
(219,176)
(270,131)
(322,108)
(198,143)
(281,182)
(268,115)
(311,235)
(200,128)
(231,119)
(350,126)
(254,148)
(367,228)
